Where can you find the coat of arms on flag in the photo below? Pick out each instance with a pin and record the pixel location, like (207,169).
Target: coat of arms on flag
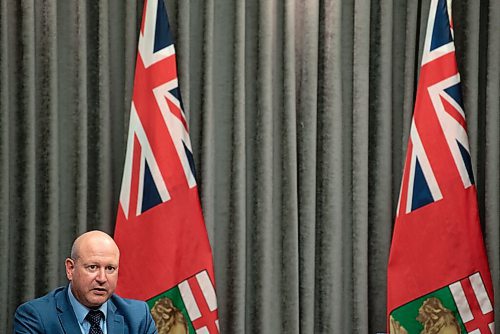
(438,278)
(191,305)
(166,258)
(461,307)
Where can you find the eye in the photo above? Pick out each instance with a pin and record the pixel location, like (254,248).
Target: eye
(110,269)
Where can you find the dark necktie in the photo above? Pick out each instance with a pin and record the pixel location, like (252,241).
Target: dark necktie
(94,318)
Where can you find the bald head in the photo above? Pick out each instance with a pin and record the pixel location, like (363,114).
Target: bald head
(92,268)
(93,239)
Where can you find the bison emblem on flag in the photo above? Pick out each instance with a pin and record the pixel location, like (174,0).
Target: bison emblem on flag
(189,307)
(461,307)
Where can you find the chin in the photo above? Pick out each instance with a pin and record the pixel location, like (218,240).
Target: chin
(97,302)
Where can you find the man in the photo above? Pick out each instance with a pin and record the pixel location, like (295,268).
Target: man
(87,305)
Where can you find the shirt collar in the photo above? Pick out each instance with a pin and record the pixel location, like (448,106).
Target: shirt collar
(81,310)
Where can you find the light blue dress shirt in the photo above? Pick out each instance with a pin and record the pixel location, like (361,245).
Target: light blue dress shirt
(81,312)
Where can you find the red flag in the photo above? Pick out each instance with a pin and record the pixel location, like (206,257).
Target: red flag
(165,253)
(438,272)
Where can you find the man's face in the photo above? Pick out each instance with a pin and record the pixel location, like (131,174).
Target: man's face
(94,273)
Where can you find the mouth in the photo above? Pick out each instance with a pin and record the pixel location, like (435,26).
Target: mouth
(99,291)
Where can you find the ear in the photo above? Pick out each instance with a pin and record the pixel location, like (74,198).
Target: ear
(70,267)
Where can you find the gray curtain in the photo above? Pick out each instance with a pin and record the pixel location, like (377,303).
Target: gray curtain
(299,112)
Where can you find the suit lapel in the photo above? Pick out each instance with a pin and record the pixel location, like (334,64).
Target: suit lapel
(65,313)
(114,321)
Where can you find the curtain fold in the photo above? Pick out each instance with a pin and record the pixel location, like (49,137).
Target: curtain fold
(489,91)
(23,196)
(299,114)
(47,145)
(331,251)
(5,133)
(360,129)
(288,210)
(306,47)
(79,119)
(380,148)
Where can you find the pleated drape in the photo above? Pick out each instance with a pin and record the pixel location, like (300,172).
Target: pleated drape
(299,113)
(64,95)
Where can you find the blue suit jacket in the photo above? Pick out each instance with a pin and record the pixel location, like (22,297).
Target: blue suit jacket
(54,314)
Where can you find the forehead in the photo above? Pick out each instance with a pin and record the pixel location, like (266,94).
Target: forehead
(96,251)
(98,258)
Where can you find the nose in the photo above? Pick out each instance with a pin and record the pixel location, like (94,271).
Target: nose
(101,276)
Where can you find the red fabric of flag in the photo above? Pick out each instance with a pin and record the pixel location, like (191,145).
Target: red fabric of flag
(437,237)
(160,228)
